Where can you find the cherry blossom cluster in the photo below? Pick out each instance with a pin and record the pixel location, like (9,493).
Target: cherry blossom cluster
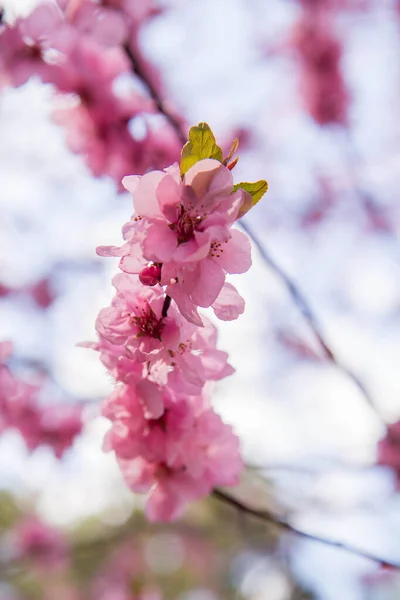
(39,424)
(40,292)
(87,51)
(323,88)
(179,246)
(32,539)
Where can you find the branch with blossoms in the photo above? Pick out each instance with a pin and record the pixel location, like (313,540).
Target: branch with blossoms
(78,48)
(84,48)
(179,245)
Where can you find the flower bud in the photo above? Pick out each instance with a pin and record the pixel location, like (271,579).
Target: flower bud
(150,275)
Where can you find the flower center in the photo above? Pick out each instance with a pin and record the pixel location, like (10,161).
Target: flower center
(186,224)
(33,51)
(148,323)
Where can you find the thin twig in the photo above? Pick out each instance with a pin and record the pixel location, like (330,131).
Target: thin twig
(269,517)
(166,305)
(138,69)
(305,309)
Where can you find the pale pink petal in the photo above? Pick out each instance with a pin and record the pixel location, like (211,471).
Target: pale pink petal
(164,506)
(186,307)
(168,196)
(195,249)
(112,250)
(209,179)
(235,255)
(160,242)
(209,283)
(175,171)
(134,261)
(138,474)
(215,364)
(235,206)
(192,369)
(151,398)
(145,194)
(229,304)
(123,282)
(41,22)
(209,176)
(130,183)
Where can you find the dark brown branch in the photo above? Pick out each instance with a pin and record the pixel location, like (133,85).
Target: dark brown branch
(138,69)
(269,517)
(304,307)
(166,305)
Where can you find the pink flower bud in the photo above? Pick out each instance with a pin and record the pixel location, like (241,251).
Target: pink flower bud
(150,275)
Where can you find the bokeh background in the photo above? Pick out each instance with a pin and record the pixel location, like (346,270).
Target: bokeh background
(312,90)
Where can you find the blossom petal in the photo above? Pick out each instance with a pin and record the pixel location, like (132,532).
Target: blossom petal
(145,194)
(195,249)
(151,398)
(210,180)
(160,242)
(235,255)
(229,304)
(130,183)
(168,196)
(186,307)
(138,474)
(209,283)
(111,250)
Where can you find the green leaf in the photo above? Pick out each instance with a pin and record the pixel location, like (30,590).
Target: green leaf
(201,145)
(256,189)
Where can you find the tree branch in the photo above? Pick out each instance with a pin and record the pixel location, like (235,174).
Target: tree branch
(166,305)
(138,69)
(305,309)
(269,517)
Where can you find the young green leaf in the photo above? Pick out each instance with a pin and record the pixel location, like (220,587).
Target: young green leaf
(256,189)
(201,145)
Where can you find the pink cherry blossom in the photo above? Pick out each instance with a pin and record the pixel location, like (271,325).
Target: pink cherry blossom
(178,457)
(185,226)
(38,541)
(178,247)
(134,330)
(54,425)
(24,46)
(135,321)
(323,88)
